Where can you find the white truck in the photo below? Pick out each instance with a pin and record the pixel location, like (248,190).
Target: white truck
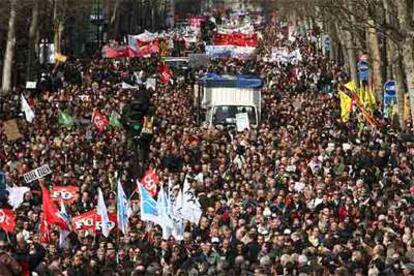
(225,99)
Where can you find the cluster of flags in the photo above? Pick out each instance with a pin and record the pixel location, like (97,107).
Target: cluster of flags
(66,120)
(171,209)
(363,98)
(98,119)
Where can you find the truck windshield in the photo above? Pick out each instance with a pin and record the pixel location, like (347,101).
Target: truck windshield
(225,115)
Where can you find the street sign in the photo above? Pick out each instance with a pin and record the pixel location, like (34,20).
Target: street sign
(390,97)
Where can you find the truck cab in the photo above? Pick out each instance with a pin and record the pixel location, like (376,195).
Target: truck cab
(225,97)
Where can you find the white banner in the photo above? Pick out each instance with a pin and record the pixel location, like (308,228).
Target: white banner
(37,173)
(282,55)
(246,29)
(227,51)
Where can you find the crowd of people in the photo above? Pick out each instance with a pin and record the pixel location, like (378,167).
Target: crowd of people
(301,194)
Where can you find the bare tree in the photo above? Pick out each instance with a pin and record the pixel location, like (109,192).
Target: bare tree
(10,47)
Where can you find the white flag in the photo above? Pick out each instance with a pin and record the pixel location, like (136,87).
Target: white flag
(124,210)
(103,213)
(63,234)
(199,177)
(28,112)
(166,222)
(191,208)
(176,215)
(16,195)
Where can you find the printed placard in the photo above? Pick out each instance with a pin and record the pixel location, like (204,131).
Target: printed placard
(37,173)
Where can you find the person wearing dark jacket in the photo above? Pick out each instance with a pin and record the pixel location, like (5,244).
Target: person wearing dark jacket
(8,265)
(28,258)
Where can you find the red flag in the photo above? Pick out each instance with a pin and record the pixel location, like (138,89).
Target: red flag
(150,181)
(50,211)
(99,120)
(119,52)
(7,220)
(85,221)
(91,221)
(65,193)
(165,74)
(44,231)
(148,48)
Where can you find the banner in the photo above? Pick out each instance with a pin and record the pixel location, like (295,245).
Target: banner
(7,220)
(282,55)
(246,29)
(119,52)
(236,39)
(146,37)
(11,129)
(143,45)
(67,194)
(226,51)
(37,173)
(390,99)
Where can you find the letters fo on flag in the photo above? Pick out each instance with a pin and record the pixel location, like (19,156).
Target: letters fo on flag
(91,221)
(51,214)
(7,220)
(150,181)
(65,193)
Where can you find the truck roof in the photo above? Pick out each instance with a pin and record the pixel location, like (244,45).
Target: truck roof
(240,81)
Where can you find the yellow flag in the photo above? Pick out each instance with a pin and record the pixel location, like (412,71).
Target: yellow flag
(61,58)
(346,104)
(406,108)
(352,86)
(369,100)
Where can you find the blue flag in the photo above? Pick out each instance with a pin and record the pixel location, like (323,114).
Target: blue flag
(148,206)
(124,210)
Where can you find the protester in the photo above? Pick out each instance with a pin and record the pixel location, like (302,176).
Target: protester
(301,194)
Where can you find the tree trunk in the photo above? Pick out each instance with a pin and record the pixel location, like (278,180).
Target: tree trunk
(399,79)
(377,80)
(350,52)
(32,40)
(58,26)
(114,23)
(404,18)
(8,57)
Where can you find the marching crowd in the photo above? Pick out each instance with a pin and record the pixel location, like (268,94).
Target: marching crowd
(301,194)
